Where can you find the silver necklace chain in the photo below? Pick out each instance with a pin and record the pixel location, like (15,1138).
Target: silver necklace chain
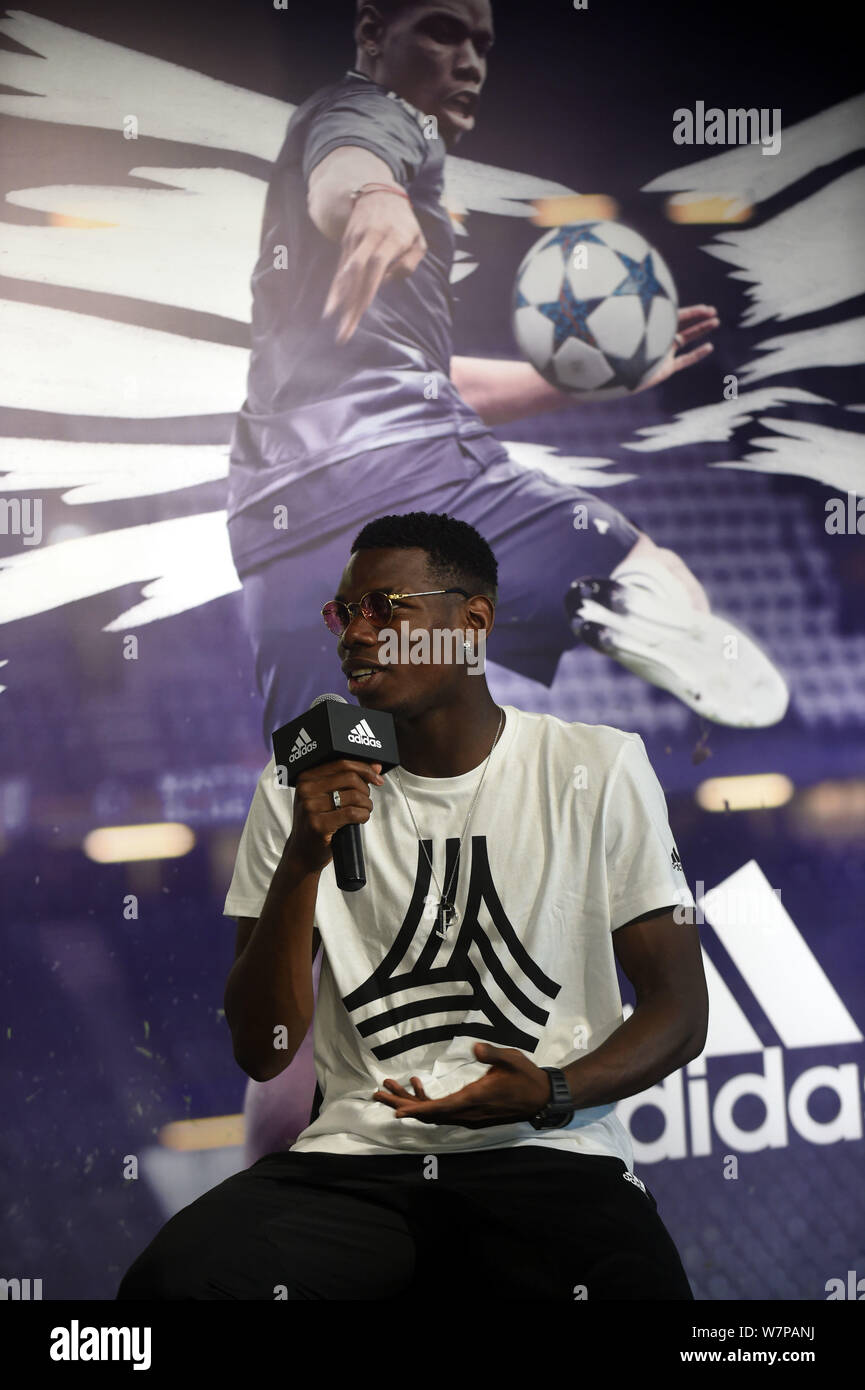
(446,910)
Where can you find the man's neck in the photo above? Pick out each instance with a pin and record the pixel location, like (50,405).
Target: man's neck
(451,739)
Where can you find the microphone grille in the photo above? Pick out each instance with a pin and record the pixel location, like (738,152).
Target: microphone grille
(339,699)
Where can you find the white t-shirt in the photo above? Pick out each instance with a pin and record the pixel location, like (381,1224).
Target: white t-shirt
(569,839)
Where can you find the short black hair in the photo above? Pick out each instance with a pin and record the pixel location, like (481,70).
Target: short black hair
(457,555)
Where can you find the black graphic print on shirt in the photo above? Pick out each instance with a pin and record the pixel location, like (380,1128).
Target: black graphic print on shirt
(506,962)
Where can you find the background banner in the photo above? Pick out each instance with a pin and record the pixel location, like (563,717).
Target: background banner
(138,143)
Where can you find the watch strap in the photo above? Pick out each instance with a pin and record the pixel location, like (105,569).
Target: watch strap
(559,1109)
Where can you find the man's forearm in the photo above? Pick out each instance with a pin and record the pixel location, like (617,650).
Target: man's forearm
(329,192)
(648,1046)
(501,391)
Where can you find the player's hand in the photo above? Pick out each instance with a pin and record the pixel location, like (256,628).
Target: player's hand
(511,1092)
(316,820)
(694,322)
(382,241)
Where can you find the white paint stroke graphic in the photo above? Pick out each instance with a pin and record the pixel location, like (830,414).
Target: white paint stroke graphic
(830,456)
(582,472)
(81,80)
(835,345)
(719,421)
(463,265)
(473,187)
(805,259)
(191,246)
(57,360)
(107,472)
(186,560)
(808,145)
(85,81)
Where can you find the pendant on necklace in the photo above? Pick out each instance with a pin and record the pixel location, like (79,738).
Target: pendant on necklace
(445,917)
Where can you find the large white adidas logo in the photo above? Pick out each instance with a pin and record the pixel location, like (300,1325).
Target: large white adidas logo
(362,733)
(302,744)
(804,1009)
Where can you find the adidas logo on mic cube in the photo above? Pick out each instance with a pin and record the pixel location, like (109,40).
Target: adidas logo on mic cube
(334,729)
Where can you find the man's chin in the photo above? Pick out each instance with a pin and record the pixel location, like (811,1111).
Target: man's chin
(451,135)
(388,695)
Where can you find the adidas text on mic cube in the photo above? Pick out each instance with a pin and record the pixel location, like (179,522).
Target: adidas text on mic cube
(334,729)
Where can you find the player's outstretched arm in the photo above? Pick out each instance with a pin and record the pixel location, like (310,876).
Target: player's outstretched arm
(328,191)
(501,391)
(379,234)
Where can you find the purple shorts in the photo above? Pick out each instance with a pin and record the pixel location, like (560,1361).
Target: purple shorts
(527,519)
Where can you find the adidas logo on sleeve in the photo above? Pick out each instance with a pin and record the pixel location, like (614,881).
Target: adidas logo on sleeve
(634,1180)
(362,733)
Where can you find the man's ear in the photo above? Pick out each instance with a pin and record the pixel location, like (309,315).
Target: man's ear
(480,613)
(369,26)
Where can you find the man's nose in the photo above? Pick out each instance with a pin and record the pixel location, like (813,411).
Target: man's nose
(367,630)
(470,66)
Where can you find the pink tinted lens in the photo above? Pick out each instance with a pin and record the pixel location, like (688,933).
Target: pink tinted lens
(376,607)
(336,616)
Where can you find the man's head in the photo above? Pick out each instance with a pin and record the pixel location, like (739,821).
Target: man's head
(433,53)
(420,655)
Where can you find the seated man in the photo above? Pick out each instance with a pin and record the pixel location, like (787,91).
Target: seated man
(469,1036)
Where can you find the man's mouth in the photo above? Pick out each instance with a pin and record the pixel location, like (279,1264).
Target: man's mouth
(465,103)
(364,677)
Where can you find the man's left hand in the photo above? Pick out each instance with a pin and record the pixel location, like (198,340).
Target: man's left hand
(511,1092)
(694,322)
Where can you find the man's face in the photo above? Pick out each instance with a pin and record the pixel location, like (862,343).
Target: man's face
(435,56)
(407,688)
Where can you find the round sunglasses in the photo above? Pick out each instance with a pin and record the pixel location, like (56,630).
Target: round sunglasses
(376,606)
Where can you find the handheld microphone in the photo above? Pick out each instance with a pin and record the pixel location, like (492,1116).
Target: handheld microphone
(346,844)
(330,729)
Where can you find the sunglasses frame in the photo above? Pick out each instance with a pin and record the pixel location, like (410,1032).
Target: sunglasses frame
(356,609)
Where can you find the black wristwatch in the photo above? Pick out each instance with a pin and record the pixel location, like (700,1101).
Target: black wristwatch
(559,1109)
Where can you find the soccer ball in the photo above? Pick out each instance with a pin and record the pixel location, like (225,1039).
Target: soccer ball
(595,309)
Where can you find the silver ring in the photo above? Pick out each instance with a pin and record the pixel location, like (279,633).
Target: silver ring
(336,800)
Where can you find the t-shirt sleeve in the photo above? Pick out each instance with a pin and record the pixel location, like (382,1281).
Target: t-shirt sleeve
(374,121)
(267,828)
(644,870)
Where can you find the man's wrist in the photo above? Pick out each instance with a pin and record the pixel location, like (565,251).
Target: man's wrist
(558,1109)
(362,190)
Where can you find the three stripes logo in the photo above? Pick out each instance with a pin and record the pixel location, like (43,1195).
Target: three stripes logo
(302,744)
(784,993)
(362,733)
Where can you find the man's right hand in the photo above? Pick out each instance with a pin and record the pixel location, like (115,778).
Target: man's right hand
(316,819)
(382,241)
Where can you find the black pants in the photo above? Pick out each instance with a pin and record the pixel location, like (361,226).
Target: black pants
(519,1223)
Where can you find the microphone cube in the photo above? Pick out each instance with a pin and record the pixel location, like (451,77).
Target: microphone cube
(334,729)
